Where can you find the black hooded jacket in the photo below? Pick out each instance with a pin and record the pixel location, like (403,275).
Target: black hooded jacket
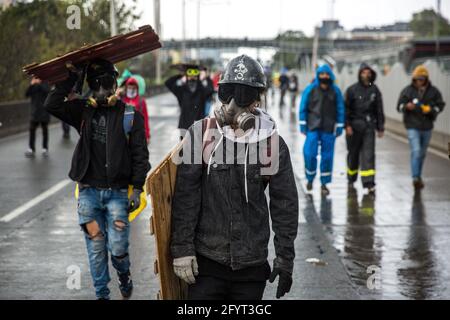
(126,159)
(364,104)
(192,103)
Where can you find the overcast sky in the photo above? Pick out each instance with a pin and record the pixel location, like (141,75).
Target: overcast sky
(264,18)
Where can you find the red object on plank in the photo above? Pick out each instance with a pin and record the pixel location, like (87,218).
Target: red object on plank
(115,49)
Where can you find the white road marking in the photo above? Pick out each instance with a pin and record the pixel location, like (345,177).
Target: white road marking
(404,140)
(18,211)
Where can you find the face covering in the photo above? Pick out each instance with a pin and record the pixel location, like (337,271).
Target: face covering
(103,89)
(131,93)
(326,81)
(103,96)
(233,115)
(192,85)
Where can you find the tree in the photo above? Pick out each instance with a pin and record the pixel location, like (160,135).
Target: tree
(422,24)
(287,59)
(37,31)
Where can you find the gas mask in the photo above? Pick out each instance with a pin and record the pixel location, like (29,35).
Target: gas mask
(103,90)
(237,103)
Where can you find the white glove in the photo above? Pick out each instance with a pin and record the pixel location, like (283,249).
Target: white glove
(186,268)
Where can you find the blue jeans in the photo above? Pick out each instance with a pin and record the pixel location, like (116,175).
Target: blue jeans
(310,151)
(418,141)
(109,208)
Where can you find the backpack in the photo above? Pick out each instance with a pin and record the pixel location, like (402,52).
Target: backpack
(128,119)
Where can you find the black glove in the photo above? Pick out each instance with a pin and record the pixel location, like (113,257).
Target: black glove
(285,277)
(135,200)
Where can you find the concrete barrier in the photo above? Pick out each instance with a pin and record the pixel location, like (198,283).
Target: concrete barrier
(15,115)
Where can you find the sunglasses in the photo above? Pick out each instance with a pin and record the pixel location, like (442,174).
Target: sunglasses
(243,95)
(192,72)
(106,81)
(420,79)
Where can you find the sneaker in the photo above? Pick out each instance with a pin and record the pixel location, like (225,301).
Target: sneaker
(45,152)
(125,284)
(325,191)
(418,184)
(309,186)
(29,153)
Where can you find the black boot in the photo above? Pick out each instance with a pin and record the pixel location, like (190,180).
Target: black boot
(125,285)
(418,184)
(325,191)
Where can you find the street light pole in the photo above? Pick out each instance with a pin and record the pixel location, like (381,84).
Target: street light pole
(436,28)
(198,30)
(157,16)
(112,18)
(183,31)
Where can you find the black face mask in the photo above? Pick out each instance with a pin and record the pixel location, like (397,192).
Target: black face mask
(326,81)
(192,85)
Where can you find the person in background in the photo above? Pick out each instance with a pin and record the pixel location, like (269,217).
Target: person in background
(37,92)
(364,117)
(322,118)
(284,85)
(293,90)
(192,95)
(421,103)
(130,95)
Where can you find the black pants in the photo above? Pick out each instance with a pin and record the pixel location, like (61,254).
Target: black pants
(361,156)
(212,288)
(33,127)
(66,128)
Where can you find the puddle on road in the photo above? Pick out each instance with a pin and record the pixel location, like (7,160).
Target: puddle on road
(391,260)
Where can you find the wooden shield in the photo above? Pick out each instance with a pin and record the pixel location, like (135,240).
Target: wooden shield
(160,185)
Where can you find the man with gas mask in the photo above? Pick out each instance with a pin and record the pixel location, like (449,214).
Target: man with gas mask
(220,216)
(322,116)
(111,155)
(364,116)
(192,94)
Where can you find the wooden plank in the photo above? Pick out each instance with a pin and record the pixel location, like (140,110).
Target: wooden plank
(160,185)
(115,49)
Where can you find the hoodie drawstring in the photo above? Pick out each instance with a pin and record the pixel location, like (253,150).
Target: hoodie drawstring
(245,172)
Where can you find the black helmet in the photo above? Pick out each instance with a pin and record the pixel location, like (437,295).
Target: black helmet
(99,67)
(244,70)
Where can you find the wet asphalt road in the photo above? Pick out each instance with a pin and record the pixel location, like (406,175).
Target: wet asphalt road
(405,235)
